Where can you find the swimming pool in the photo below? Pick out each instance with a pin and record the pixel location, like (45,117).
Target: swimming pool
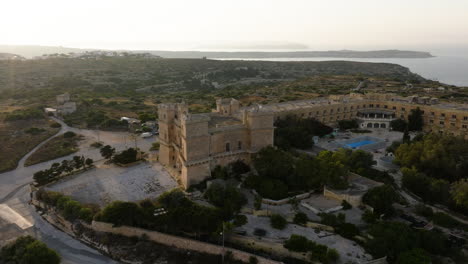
(359,143)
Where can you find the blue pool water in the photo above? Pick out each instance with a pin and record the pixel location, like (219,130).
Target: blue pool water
(360,143)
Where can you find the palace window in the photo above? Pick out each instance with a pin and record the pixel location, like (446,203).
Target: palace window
(239,145)
(431,121)
(465,118)
(442,115)
(394,108)
(454,116)
(385,106)
(403,109)
(377,105)
(228,147)
(464,126)
(441,122)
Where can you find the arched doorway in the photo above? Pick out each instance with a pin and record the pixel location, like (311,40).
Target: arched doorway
(376,125)
(369,125)
(383,125)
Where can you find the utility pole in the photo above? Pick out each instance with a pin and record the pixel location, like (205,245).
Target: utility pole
(223,245)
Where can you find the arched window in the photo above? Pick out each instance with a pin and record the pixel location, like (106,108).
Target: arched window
(228,147)
(239,145)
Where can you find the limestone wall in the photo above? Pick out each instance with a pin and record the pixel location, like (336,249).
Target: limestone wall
(178,242)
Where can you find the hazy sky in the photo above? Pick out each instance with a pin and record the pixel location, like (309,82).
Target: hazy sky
(191,24)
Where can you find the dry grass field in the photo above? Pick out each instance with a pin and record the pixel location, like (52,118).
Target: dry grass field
(16,142)
(55,148)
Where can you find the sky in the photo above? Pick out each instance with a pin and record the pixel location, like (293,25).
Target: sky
(217,24)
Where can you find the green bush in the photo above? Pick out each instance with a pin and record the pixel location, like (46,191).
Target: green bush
(69,134)
(297,243)
(346,205)
(278,222)
(28,250)
(240,220)
(300,219)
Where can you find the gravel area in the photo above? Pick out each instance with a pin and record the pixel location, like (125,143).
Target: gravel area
(108,183)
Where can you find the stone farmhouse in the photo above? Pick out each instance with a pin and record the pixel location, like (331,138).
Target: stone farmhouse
(193,144)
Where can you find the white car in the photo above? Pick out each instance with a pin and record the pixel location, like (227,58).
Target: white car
(146,135)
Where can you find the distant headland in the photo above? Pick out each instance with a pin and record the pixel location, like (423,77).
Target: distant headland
(34,50)
(293,54)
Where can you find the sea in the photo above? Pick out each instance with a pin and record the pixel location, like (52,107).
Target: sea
(452,70)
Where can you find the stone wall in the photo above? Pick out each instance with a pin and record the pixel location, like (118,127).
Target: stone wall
(178,242)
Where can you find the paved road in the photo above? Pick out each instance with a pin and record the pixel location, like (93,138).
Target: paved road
(18,218)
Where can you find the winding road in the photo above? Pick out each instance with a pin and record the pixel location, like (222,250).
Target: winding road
(18,218)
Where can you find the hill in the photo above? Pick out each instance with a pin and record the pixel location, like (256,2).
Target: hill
(10,56)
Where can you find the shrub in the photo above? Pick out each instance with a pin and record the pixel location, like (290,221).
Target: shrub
(278,222)
(297,243)
(346,205)
(69,134)
(55,125)
(300,219)
(240,220)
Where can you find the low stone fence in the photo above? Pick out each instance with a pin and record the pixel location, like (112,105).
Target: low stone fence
(178,242)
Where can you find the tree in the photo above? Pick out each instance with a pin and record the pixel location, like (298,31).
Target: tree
(459,193)
(369,217)
(278,222)
(89,162)
(121,213)
(127,156)
(107,151)
(240,220)
(78,162)
(398,125)
(228,198)
(406,137)
(348,124)
(415,120)
(26,249)
(381,199)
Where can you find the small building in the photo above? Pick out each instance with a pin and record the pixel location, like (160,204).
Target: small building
(50,111)
(67,108)
(63,98)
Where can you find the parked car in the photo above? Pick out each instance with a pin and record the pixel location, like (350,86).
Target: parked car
(146,135)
